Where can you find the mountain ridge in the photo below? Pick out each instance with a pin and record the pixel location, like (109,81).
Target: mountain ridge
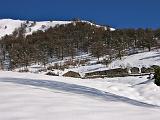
(7,26)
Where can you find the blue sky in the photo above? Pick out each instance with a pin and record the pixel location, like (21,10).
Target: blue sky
(117,13)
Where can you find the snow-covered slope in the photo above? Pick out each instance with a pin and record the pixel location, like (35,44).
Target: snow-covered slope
(38,97)
(7,26)
(145,59)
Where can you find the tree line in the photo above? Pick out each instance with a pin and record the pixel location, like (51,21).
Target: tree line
(72,39)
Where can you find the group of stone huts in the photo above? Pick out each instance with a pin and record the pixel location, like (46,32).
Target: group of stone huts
(118,72)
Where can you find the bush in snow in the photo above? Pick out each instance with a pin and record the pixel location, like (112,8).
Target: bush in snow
(154,66)
(147,70)
(157,76)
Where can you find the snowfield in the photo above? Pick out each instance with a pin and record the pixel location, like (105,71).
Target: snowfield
(27,96)
(7,26)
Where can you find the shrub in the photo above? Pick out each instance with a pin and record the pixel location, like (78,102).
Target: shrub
(154,66)
(147,70)
(157,76)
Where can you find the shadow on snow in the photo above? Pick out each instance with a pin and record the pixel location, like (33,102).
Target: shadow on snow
(77,89)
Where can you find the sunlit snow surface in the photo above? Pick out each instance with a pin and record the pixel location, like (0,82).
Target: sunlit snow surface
(26,96)
(7,26)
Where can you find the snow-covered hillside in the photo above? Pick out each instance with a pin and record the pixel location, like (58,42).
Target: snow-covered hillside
(7,26)
(38,97)
(144,59)
(35,96)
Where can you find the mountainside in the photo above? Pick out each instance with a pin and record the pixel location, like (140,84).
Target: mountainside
(7,26)
(139,60)
(74,69)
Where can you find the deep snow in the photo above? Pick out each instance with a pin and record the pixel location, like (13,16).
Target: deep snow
(39,97)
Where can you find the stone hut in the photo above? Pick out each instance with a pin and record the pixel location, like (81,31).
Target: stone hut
(119,72)
(135,70)
(52,74)
(72,74)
